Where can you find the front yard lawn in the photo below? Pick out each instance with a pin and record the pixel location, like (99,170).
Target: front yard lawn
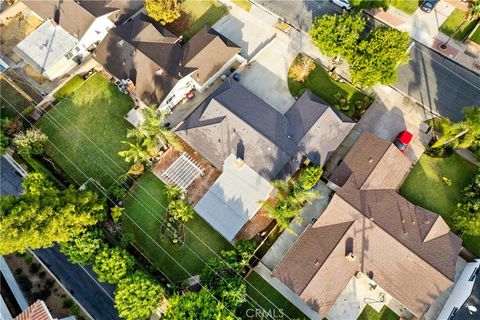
(425,187)
(453,21)
(320,83)
(476,35)
(369,313)
(144,212)
(406,6)
(11,101)
(86,129)
(262,295)
(202,13)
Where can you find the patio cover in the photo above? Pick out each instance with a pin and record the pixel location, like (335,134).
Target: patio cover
(234,198)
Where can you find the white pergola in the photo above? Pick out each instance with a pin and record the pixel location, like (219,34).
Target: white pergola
(182,172)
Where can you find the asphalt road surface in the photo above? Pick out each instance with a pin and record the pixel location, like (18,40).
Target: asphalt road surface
(95,297)
(439,84)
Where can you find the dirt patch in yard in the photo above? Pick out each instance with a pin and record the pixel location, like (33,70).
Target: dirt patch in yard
(15,29)
(36,283)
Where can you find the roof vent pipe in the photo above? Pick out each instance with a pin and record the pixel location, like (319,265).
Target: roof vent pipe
(350,257)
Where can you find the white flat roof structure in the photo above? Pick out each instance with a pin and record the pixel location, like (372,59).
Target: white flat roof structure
(45,46)
(234,198)
(182,172)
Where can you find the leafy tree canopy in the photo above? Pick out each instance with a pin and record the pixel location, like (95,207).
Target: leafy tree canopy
(309,177)
(83,248)
(30,142)
(377,57)
(202,305)
(113,264)
(137,296)
(163,11)
(44,215)
(368,4)
(337,35)
(467,216)
(461,134)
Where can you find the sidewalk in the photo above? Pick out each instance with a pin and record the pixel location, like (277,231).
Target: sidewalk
(424,27)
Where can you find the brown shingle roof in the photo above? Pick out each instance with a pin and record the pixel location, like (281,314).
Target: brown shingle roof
(408,251)
(67,13)
(121,9)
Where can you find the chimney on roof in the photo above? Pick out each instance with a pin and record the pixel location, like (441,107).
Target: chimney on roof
(350,257)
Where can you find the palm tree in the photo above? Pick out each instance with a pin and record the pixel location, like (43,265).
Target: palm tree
(472,14)
(135,153)
(181,210)
(461,134)
(288,203)
(152,128)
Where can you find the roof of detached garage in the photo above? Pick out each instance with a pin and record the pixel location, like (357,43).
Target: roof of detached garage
(235,121)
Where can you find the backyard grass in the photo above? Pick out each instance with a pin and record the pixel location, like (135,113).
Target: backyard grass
(453,21)
(86,129)
(144,208)
(322,85)
(263,295)
(369,313)
(202,13)
(424,186)
(244,4)
(406,6)
(69,88)
(11,101)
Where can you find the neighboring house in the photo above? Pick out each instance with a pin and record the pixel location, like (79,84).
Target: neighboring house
(118,11)
(161,70)
(464,300)
(86,28)
(235,121)
(234,198)
(369,229)
(46,50)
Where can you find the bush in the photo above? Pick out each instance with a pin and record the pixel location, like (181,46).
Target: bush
(34,267)
(75,309)
(309,177)
(12,127)
(28,259)
(70,87)
(18,271)
(25,283)
(67,303)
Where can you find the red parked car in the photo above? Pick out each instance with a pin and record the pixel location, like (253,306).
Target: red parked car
(402,140)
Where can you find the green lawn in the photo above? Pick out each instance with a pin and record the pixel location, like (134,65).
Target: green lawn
(202,13)
(244,4)
(453,21)
(407,6)
(323,86)
(476,35)
(369,313)
(424,187)
(86,129)
(11,101)
(262,295)
(144,208)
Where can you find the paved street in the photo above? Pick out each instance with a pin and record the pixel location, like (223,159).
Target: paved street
(96,297)
(441,85)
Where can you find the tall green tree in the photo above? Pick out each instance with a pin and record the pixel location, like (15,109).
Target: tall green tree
(202,305)
(30,142)
(163,11)
(309,177)
(337,35)
(461,134)
(113,264)
(83,248)
(466,218)
(377,57)
(288,203)
(44,215)
(137,296)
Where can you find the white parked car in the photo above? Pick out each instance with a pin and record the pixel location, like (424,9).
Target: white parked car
(342,3)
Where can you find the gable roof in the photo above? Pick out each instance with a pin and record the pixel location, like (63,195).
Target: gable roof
(235,121)
(121,9)
(152,60)
(234,198)
(67,13)
(37,311)
(407,250)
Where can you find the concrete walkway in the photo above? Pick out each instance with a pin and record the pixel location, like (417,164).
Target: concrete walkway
(286,240)
(468,155)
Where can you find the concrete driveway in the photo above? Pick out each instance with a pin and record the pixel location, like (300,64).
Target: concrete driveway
(268,74)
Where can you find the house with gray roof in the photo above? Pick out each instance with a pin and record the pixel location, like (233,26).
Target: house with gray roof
(162,70)
(369,230)
(235,121)
(86,27)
